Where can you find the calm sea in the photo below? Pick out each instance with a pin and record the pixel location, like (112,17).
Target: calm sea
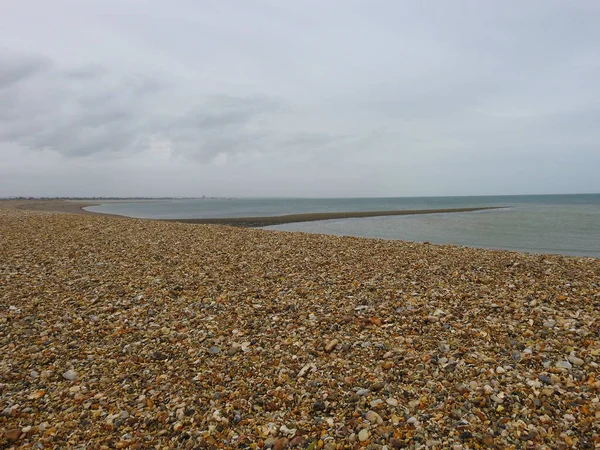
(565,224)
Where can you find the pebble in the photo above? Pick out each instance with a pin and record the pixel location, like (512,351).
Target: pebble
(13,435)
(564,365)
(363,435)
(377,386)
(281,444)
(397,443)
(319,406)
(298,441)
(387,365)
(373,417)
(575,360)
(331,345)
(152,381)
(70,375)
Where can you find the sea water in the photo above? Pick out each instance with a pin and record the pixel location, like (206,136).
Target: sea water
(564,224)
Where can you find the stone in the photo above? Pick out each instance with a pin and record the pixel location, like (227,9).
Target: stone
(545,379)
(387,365)
(281,444)
(373,417)
(319,406)
(396,443)
(363,392)
(363,435)
(269,442)
(377,386)
(563,365)
(392,401)
(214,350)
(331,345)
(13,434)
(575,360)
(298,441)
(70,375)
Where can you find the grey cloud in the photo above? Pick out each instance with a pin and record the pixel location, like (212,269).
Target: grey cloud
(86,72)
(18,67)
(308,94)
(104,114)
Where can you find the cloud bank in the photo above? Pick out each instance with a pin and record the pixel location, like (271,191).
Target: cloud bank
(263,98)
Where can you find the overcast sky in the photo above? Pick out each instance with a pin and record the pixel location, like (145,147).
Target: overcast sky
(299,97)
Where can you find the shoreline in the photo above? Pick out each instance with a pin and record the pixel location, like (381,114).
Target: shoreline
(77,207)
(63,206)
(265,221)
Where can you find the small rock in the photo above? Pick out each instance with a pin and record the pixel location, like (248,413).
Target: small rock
(281,443)
(551,323)
(363,435)
(545,379)
(377,386)
(396,443)
(34,374)
(331,345)
(269,442)
(363,392)
(298,441)
(387,365)
(375,402)
(319,406)
(466,435)
(564,365)
(13,435)
(70,375)
(392,401)
(214,350)
(575,360)
(487,440)
(373,417)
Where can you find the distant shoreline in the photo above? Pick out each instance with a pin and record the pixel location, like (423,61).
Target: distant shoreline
(254,222)
(77,207)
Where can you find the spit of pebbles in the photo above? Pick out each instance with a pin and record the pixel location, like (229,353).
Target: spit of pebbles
(122,333)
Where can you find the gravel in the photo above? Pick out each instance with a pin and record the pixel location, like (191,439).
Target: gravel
(123,333)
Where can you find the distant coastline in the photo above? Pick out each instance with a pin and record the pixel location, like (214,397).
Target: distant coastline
(76,206)
(254,222)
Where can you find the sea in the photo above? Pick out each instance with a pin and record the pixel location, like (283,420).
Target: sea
(552,224)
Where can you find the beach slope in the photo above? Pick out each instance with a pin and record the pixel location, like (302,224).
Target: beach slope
(124,333)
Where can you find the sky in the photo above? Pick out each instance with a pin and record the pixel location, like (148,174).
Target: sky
(311,98)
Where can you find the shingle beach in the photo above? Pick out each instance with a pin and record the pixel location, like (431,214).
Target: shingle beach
(124,333)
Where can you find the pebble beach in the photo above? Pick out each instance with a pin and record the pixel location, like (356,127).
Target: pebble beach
(126,333)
